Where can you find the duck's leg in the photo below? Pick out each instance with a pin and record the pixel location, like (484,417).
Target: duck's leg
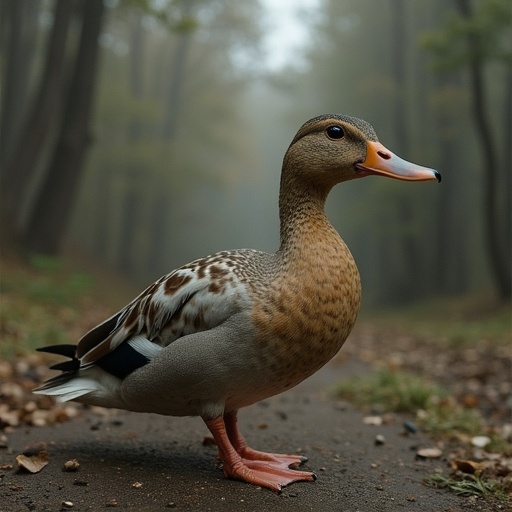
(245,451)
(258,472)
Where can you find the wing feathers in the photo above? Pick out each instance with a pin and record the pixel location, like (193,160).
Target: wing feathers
(194,298)
(128,357)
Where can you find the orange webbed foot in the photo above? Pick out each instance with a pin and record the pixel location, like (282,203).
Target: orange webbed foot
(241,462)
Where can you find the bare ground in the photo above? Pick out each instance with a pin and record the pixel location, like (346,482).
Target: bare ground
(150,463)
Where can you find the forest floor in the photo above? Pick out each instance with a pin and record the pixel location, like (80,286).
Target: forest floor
(415,413)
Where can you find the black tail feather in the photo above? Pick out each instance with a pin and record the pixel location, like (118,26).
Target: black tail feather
(67,366)
(61,350)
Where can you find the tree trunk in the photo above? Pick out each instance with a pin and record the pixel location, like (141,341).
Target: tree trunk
(22,160)
(18,20)
(507,165)
(161,206)
(408,243)
(49,218)
(494,223)
(177,79)
(133,198)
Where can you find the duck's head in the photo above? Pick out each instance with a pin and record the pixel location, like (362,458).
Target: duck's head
(332,148)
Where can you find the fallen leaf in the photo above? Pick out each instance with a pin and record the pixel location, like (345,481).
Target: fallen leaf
(466,466)
(33,463)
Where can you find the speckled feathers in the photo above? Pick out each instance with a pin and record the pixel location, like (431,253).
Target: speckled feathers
(294,308)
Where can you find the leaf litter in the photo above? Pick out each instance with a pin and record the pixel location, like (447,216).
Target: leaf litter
(477,376)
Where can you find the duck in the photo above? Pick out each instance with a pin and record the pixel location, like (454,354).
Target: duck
(236,327)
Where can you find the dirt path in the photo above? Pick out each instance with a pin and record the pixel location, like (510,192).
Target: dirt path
(151,463)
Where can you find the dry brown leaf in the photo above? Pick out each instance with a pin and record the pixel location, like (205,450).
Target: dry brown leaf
(466,466)
(33,463)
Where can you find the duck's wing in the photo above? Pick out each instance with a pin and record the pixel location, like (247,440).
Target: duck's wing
(193,298)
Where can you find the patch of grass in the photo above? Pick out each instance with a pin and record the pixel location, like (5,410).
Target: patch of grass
(393,391)
(401,392)
(446,417)
(469,485)
(501,445)
(25,325)
(53,285)
(43,304)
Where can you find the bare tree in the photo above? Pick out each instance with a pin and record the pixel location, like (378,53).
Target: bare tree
(49,217)
(24,133)
(498,241)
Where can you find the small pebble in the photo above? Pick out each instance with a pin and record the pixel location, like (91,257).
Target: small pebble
(67,504)
(429,453)
(380,439)
(480,441)
(372,420)
(137,485)
(71,465)
(410,427)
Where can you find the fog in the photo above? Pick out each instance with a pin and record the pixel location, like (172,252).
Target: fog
(193,105)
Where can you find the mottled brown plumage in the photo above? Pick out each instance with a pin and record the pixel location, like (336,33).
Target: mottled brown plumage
(228,330)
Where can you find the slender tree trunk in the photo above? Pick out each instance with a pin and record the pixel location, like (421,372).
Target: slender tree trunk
(49,218)
(18,19)
(133,200)
(22,160)
(398,47)
(494,223)
(408,244)
(161,204)
(507,165)
(177,78)
(451,273)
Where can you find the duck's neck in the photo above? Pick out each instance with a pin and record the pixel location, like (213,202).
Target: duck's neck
(302,216)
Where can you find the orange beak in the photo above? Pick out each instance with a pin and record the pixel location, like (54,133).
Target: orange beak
(380,160)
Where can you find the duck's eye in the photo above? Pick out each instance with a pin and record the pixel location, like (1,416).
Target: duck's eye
(335,132)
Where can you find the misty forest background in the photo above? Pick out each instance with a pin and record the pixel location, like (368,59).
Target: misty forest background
(138,135)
